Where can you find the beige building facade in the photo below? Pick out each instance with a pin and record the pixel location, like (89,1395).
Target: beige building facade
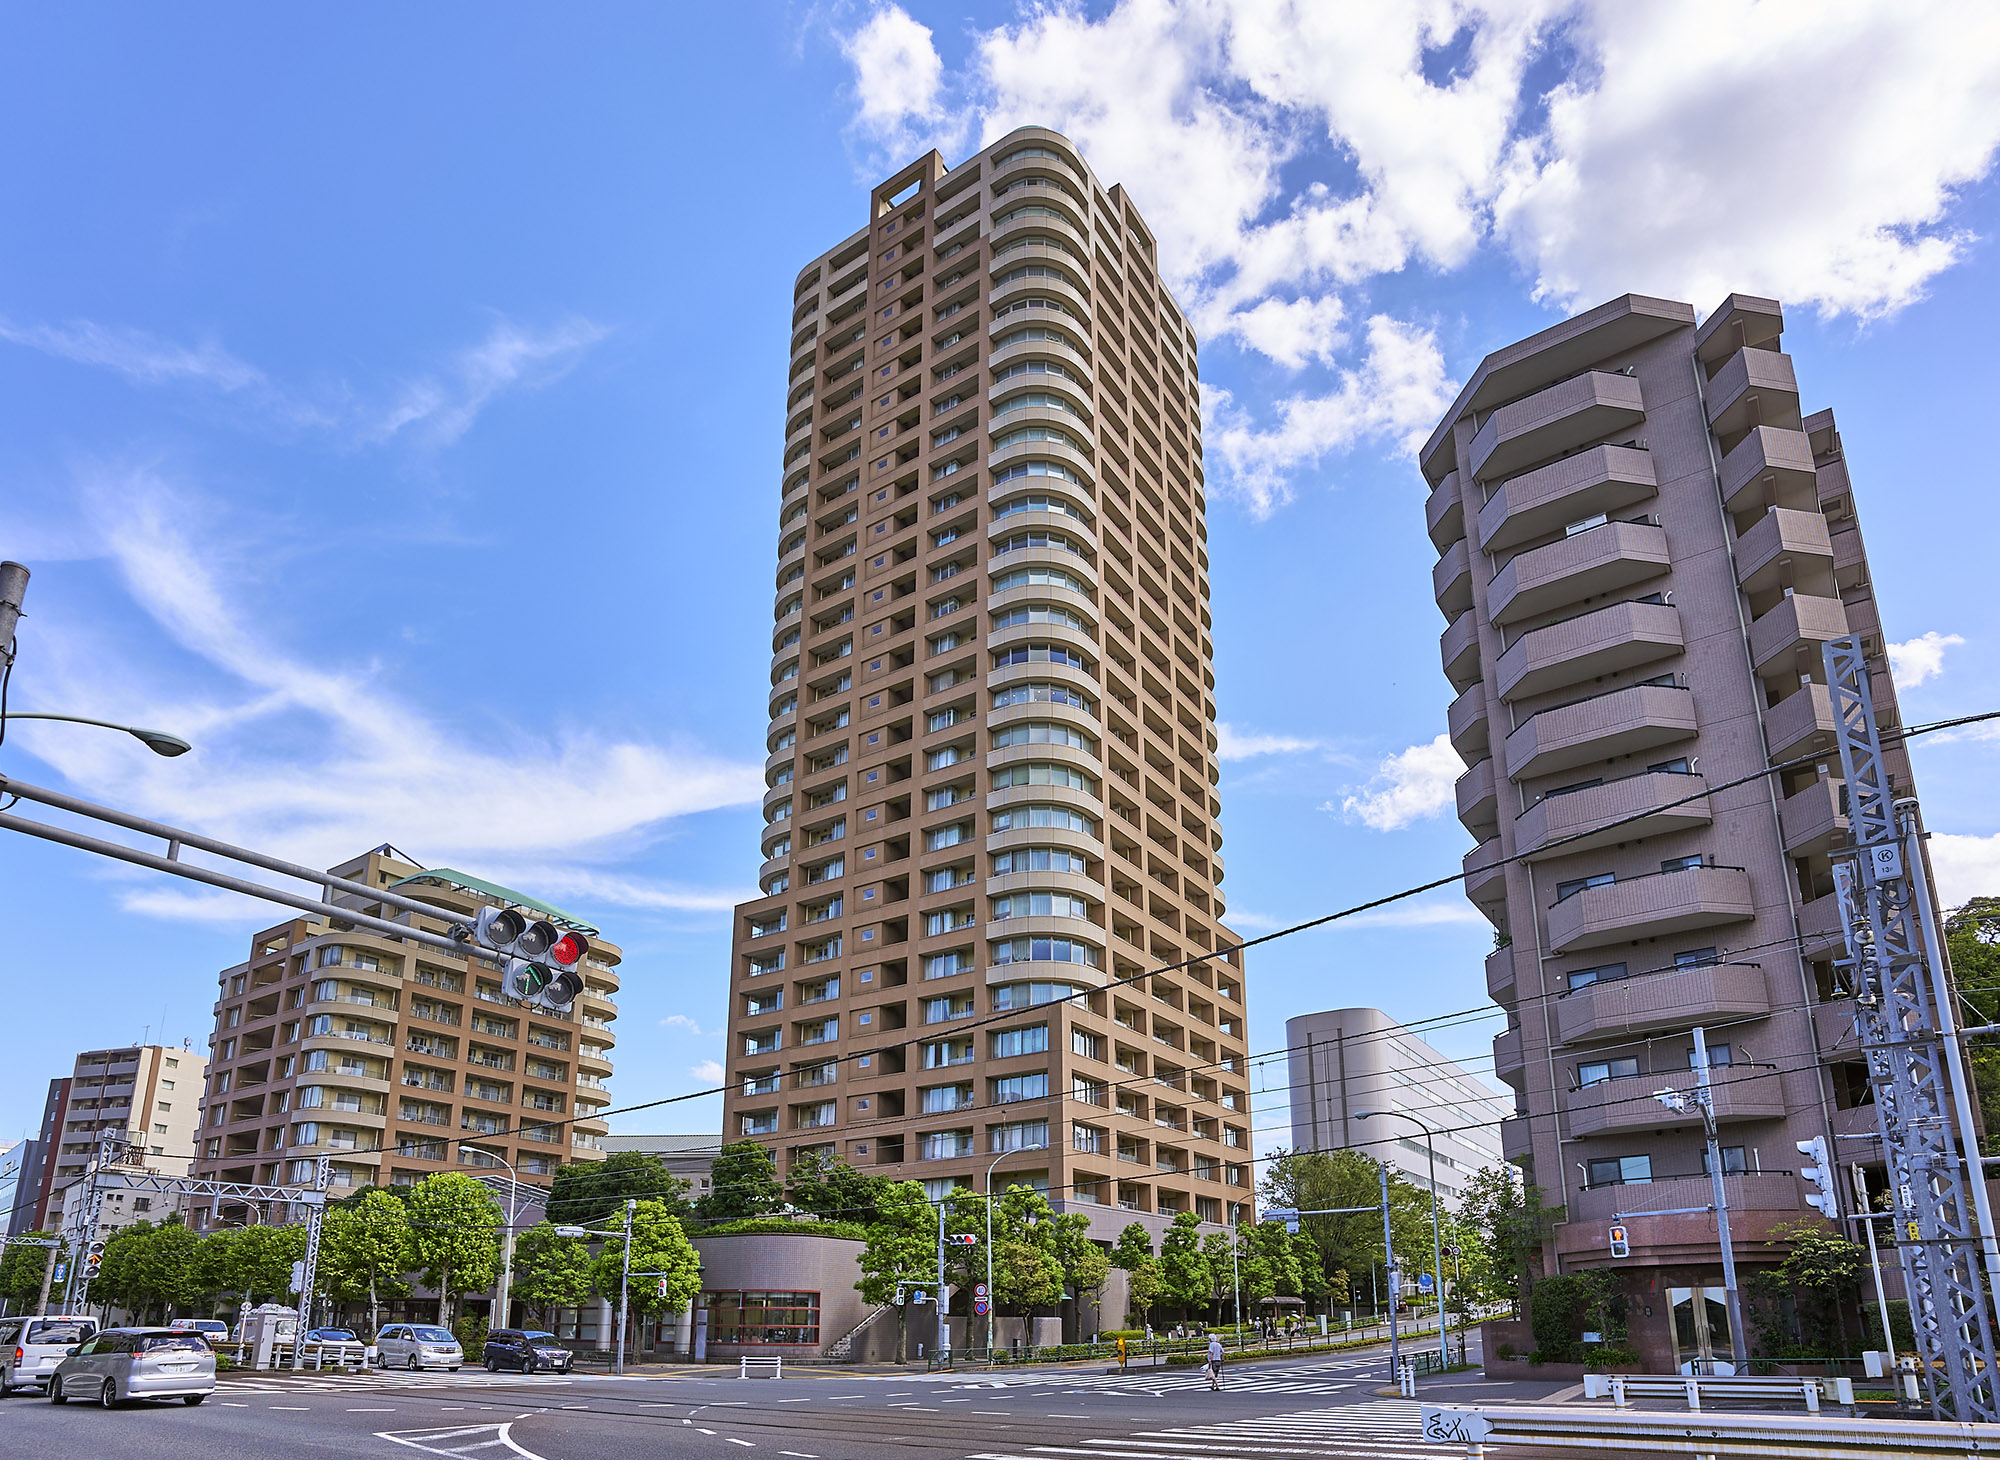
(391,1058)
(1644,542)
(144,1096)
(992,748)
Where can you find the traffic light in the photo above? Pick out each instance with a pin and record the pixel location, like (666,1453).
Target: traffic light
(961,1239)
(1825,1199)
(93,1259)
(538,960)
(1621,1243)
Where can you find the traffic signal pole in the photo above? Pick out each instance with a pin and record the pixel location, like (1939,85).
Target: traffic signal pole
(1739,1342)
(13,588)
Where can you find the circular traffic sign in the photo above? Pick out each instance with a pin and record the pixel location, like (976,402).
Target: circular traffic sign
(979,1290)
(979,1308)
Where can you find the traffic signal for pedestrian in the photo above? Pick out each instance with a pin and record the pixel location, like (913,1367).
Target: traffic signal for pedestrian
(1820,1175)
(538,960)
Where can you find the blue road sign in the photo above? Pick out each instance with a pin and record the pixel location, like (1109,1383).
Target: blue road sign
(1426,1283)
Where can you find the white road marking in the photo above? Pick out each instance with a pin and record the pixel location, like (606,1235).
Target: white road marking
(799,1454)
(433,1440)
(387,1409)
(746,1444)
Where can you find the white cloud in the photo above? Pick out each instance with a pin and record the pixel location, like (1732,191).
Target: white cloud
(1394,397)
(1916,660)
(442,409)
(1237,744)
(316,761)
(682,1021)
(709,1072)
(898,78)
(137,355)
(1408,786)
(1288,155)
(1967,866)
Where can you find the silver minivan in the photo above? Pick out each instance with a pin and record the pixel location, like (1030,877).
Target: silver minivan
(417,1346)
(31,1347)
(136,1363)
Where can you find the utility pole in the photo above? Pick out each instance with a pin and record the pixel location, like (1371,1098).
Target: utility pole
(13,588)
(938,1347)
(1395,1284)
(1739,1349)
(48,1272)
(625,1280)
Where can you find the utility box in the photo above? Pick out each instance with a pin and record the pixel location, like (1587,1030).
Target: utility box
(268,1328)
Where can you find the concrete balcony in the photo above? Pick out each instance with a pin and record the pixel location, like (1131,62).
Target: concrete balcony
(1478,803)
(1458,646)
(1444,513)
(1623,722)
(1801,721)
(1596,561)
(1753,388)
(1577,650)
(1650,906)
(1821,928)
(1676,998)
(1516,1140)
(1798,625)
(1815,818)
(1850,560)
(1552,421)
(1626,1104)
(1786,549)
(1770,467)
(1471,730)
(1500,984)
(1509,1064)
(1857,1134)
(1605,479)
(1451,580)
(1833,1028)
(1768,1191)
(1487,889)
(1589,815)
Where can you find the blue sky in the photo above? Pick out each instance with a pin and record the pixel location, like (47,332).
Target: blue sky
(363,380)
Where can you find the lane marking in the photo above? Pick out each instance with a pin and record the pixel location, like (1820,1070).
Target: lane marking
(746,1444)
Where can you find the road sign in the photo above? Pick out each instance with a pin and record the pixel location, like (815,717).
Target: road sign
(1621,1244)
(61,1272)
(979,1290)
(980,1307)
(1288,1215)
(1455,1426)
(1426,1283)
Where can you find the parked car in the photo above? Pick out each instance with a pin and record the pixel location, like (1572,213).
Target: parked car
(526,1349)
(331,1335)
(212,1329)
(136,1363)
(30,1348)
(417,1346)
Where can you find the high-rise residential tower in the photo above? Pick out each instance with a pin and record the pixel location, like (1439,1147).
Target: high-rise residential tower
(395,1059)
(1645,543)
(992,744)
(145,1095)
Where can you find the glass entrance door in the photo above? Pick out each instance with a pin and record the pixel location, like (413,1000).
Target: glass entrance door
(1701,1330)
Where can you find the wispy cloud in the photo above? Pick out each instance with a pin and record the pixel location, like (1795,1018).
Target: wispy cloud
(441,408)
(1967,866)
(1235,744)
(709,1072)
(1408,786)
(682,1021)
(137,355)
(1915,660)
(315,760)
(1430,913)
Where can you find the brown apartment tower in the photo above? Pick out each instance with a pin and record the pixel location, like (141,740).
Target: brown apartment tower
(396,1060)
(1645,544)
(992,773)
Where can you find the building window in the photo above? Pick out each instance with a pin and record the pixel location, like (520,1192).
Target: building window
(763,1318)
(1008,1043)
(1598,1071)
(1015,1088)
(1620,1171)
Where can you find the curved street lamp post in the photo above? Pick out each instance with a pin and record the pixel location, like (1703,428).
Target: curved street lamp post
(1437,1238)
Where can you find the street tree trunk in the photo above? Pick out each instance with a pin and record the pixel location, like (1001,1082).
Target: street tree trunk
(444,1297)
(374,1308)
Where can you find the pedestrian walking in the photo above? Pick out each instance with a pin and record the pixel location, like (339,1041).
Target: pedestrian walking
(1215,1361)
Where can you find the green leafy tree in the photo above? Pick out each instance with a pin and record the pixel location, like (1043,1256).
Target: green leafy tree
(661,1250)
(832,1190)
(21,1272)
(1143,1289)
(148,1269)
(901,1250)
(1972,944)
(742,1182)
(1134,1245)
(454,1236)
(1504,1226)
(591,1193)
(1085,1265)
(1186,1276)
(1821,1273)
(253,1263)
(551,1271)
(1027,1267)
(365,1251)
(119,1279)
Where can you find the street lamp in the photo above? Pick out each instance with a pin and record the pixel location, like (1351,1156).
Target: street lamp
(157,741)
(1437,1237)
(1701,1102)
(992,1298)
(507,1248)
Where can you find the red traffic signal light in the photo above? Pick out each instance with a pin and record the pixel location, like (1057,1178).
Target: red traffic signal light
(569,949)
(961,1239)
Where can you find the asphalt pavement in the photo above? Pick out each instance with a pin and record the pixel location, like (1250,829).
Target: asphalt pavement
(1323,1406)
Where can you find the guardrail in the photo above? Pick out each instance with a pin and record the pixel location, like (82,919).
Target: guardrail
(1474,1427)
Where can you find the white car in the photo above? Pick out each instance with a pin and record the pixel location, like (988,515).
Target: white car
(417,1346)
(31,1347)
(136,1363)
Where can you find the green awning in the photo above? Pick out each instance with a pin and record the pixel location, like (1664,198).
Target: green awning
(449,877)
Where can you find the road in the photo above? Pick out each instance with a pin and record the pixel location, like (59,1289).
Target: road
(1320,1406)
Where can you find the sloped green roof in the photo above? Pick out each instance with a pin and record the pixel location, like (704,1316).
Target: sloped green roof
(450,877)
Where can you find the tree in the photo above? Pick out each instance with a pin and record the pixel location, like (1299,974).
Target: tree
(1143,1285)
(1134,1245)
(1186,1278)
(551,1271)
(592,1193)
(365,1250)
(1506,1225)
(117,1279)
(1085,1266)
(147,1267)
(454,1235)
(1972,943)
(1821,1275)
(661,1251)
(830,1189)
(1027,1273)
(255,1263)
(21,1270)
(900,1250)
(742,1182)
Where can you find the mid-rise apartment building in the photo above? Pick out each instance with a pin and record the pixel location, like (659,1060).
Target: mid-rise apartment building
(1342,1064)
(395,1059)
(146,1096)
(1645,541)
(992,748)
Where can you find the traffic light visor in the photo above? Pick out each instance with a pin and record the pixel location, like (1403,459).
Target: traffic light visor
(537,940)
(499,927)
(569,948)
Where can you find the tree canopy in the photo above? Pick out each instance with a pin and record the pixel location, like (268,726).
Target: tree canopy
(455,1235)
(742,1182)
(592,1193)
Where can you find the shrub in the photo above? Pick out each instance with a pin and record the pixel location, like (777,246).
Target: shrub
(782,1226)
(1608,1355)
(470,1331)
(1899,1324)
(1113,1334)
(1505,1352)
